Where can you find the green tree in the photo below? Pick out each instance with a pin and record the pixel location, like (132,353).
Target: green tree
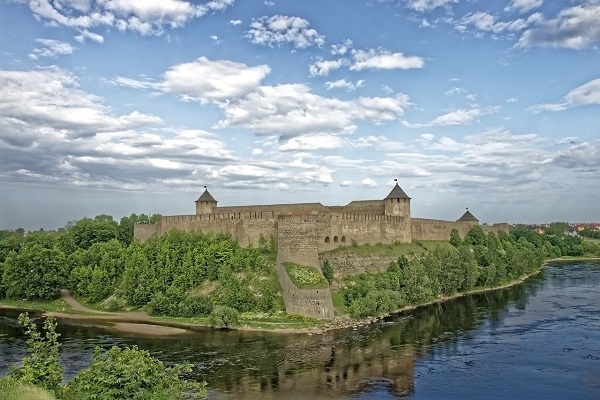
(455,239)
(131,373)
(223,317)
(86,232)
(327,271)
(40,366)
(34,273)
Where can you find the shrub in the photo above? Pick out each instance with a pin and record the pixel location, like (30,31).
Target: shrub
(195,306)
(223,317)
(40,365)
(327,271)
(114,304)
(130,373)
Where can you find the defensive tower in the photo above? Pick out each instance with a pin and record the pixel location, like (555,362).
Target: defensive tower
(397,203)
(205,204)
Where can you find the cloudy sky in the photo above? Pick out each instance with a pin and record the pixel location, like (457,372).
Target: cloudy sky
(121,106)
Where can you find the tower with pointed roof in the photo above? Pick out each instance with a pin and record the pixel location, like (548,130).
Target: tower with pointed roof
(468,217)
(397,203)
(205,204)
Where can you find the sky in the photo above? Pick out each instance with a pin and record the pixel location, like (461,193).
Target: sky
(130,106)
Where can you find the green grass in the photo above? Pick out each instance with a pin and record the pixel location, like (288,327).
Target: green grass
(11,389)
(58,305)
(389,250)
(305,277)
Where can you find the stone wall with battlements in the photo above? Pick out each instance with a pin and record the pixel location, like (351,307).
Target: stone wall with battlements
(434,229)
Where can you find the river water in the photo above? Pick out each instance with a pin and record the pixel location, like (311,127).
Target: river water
(539,339)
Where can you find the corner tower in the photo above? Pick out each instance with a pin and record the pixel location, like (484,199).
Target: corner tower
(205,204)
(397,203)
(468,217)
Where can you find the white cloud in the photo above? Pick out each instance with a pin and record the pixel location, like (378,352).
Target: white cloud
(313,142)
(205,80)
(323,67)
(280,29)
(586,94)
(368,183)
(235,22)
(486,22)
(573,28)
(51,99)
(292,110)
(457,117)
(342,48)
(346,183)
(455,90)
(523,6)
(51,48)
(383,59)
(428,5)
(144,17)
(85,34)
(344,84)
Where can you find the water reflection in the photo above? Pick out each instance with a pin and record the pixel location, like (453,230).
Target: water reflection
(376,361)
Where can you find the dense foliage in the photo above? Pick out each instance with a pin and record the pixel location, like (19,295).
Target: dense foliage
(178,274)
(478,261)
(130,373)
(117,374)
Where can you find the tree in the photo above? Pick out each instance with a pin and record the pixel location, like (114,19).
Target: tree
(476,236)
(34,273)
(455,239)
(223,317)
(327,271)
(131,373)
(40,366)
(88,231)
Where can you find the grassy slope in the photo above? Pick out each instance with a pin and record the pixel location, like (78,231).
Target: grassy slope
(13,390)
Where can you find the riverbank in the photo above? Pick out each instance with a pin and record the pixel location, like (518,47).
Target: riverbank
(142,324)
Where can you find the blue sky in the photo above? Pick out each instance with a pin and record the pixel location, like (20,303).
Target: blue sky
(121,106)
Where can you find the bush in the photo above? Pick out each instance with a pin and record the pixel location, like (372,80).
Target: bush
(327,271)
(224,317)
(40,365)
(196,306)
(114,304)
(130,373)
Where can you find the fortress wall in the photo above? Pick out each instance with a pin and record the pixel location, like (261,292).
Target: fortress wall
(297,240)
(366,206)
(245,228)
(297,243)
(340,229)
(143,232)
(502,227)
(274,209)
(434,229)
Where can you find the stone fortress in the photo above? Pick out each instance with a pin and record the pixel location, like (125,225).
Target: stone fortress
(304,230)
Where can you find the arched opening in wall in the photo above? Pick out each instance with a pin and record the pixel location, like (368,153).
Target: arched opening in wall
(343,239)
(335,239)
(327,240)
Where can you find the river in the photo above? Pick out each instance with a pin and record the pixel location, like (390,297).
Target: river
(538,339)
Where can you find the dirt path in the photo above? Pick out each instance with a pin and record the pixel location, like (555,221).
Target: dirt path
(132,322)
(77,306)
